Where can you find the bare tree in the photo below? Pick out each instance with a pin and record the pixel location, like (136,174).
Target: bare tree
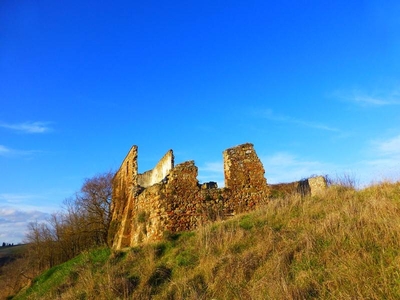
(83,224)
(94,201)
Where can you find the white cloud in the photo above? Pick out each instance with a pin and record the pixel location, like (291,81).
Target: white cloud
(362,98)
(270,115)
(14,215)
(367,100)
(385,161)
(212,171)
(8,152)
(390,146)
(285,167)
(28,127)
(17,210)
(14,223)
(26,201)
(4,150)
(16,198)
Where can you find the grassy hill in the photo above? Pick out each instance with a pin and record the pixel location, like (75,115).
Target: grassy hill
(10,253)
(342,245)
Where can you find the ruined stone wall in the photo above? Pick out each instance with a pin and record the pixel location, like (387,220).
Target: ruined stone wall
(170,198)
(317,184)
(124,188)
(312,186)
(160,171)
(244,177)
(148,214)
(176,204)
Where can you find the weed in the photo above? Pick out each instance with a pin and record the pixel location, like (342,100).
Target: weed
(142,217)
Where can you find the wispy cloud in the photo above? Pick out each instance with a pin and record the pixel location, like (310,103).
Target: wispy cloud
(212,171)
(384,161)
(16,198)
(362,98)
(33,201)
(270,115)
(390,146)
(28,127)
(9,152)
(387,152)
(380,161)
(287,167)
(4,150)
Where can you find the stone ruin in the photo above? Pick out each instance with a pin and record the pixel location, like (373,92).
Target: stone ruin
(312,186)
(169,198)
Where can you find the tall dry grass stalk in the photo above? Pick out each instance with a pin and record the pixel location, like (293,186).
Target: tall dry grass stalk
(340,245)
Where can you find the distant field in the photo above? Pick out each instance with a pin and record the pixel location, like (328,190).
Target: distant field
(8,253)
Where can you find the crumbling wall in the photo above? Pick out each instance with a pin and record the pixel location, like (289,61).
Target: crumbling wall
(182,195)
(307,187)
(177,203)
(160,171)
(170,198)
(148,217)
(317,185)
(124,189)
(244,177)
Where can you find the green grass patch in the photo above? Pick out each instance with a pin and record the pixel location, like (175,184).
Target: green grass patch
(51,279)
(99,256)
(186,258)
(247,222)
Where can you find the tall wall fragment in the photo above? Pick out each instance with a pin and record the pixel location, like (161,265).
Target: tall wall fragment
(128,184)
(124,182)
(244,177)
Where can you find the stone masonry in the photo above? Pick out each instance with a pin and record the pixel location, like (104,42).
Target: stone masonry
(312,186)
(169,198)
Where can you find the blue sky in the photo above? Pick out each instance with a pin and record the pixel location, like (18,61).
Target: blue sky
(314,85)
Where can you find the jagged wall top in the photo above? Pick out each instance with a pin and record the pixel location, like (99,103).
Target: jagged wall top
(145,205)
(243,168)
(160,171)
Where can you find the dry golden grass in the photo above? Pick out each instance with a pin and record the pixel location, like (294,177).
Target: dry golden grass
(341,245)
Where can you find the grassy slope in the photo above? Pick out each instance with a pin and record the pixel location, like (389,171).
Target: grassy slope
(343,245)
(10,252)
